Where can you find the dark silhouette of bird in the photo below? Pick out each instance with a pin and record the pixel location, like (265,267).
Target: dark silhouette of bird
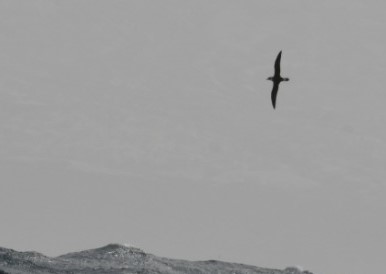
(276,79)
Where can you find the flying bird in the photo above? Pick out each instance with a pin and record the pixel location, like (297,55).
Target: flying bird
(276,79)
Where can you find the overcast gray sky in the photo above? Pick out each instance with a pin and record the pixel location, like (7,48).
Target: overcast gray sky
(150,123)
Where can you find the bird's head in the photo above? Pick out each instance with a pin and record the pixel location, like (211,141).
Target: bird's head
(270,78)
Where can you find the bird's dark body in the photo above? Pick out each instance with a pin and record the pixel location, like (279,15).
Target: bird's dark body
(276,79)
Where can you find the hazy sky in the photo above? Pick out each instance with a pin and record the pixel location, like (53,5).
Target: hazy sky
(150,123)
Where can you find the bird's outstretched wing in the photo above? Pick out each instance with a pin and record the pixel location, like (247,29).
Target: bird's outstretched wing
(277,64)
(274,93)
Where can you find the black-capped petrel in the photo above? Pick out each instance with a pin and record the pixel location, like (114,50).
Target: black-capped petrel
(276,79)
